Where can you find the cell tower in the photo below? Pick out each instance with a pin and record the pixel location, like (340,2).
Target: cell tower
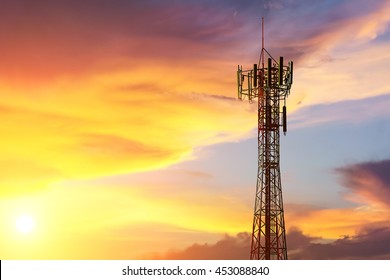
(270,84)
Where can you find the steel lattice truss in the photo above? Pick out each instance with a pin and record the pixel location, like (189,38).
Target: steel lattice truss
(270,86)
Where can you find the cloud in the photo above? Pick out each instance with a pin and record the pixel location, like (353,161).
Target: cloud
(296,239)
(341,78)
(331,223)
(330,54)
(369,243)
(366,185)
(342,112)
(60,38)
(81,131)
(236,248)
(102,89)
(228,248)
(49,40)
(367,181)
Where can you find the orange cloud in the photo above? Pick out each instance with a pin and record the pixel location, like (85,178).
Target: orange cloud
(79,131)
(333,223)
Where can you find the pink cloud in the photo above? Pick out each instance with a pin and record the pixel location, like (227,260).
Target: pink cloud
(368,181)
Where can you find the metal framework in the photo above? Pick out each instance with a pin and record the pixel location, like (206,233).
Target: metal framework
(270,86)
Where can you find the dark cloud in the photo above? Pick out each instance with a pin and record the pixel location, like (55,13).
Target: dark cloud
(229,248)
(297,240)
(369,180)
(370,243)
(232,247)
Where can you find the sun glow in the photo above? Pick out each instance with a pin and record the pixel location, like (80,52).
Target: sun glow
(25,224)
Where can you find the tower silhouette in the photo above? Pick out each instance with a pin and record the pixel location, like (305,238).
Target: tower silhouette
(269,82)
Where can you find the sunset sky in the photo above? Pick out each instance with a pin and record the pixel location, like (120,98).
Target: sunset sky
(122,136)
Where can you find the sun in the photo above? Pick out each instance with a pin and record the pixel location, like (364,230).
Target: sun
(25,224)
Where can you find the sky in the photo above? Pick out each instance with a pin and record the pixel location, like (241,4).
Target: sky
(122,136)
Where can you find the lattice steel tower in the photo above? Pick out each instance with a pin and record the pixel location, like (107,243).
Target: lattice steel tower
(269,82)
